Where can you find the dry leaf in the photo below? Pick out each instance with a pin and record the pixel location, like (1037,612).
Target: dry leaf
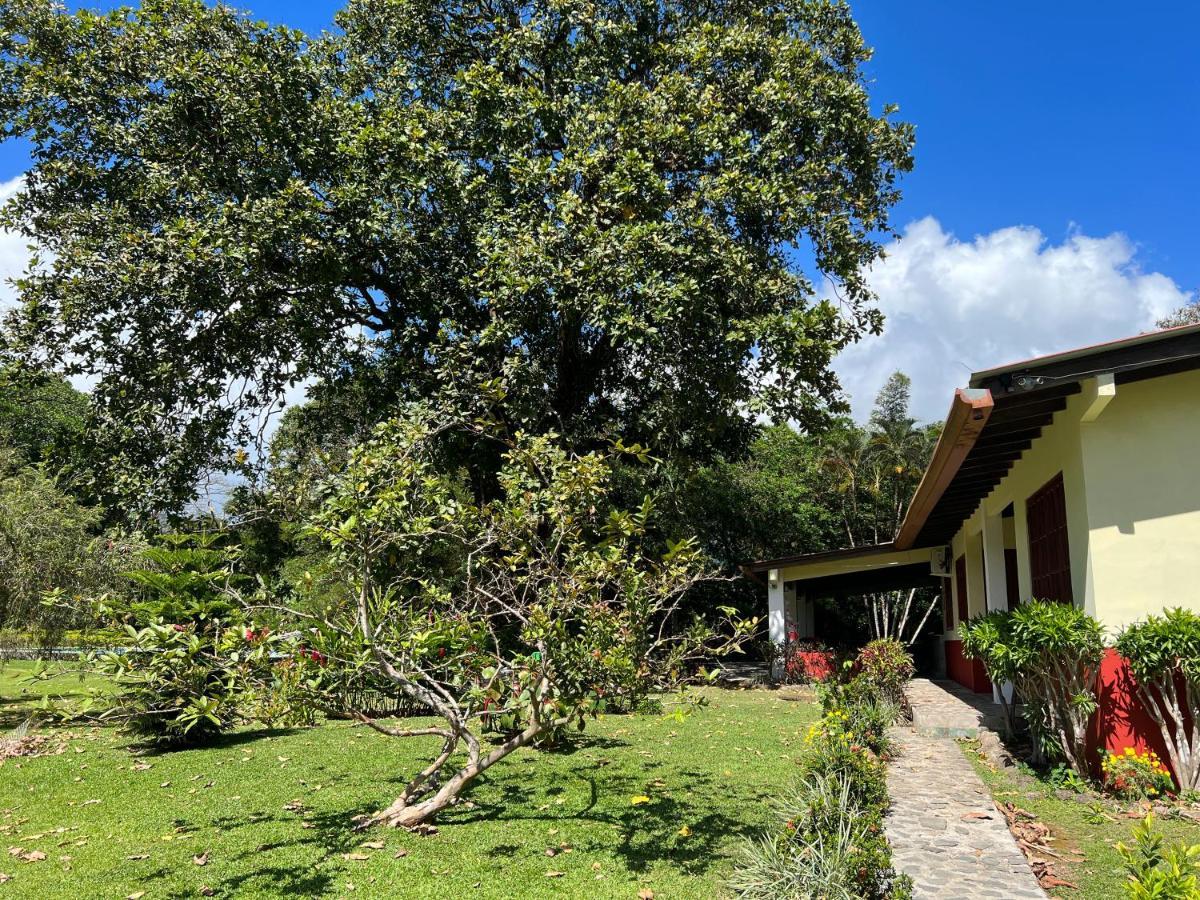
(373,845)
(138,856)
(206,891)
(202,859)
(4,877)
(976,815)
(33,856)
(553,874)
(136,895)
(400,854)
(645,894)
(638,800)
(550,851)
(685,832)
(357,857)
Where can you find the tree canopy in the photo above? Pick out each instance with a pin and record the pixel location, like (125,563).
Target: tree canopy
(600,202)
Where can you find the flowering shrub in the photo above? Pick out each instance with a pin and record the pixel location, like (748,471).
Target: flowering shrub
(866,713)
(829,841)
(887,665)
(1134,775)
(807,662)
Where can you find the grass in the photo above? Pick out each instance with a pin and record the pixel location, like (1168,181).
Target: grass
(19,695)
(272,811)
(1078,830)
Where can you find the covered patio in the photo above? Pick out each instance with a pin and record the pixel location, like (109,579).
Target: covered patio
(950,539)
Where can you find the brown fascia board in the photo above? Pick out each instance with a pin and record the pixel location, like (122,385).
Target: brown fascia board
(968,415)
(765,565)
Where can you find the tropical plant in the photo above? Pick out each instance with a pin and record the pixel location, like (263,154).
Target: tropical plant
(888,666)
(190,656)
(537,606)
(1163,653)
(1051,653)
(597,200)
(1158,873)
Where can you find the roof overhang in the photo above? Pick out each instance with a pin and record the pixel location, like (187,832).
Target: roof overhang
(989,426)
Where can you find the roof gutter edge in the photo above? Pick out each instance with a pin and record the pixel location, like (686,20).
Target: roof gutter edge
(969,413)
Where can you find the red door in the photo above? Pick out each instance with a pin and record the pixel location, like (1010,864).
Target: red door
(1049,550)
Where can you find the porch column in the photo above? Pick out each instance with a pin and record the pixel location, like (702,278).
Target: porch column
(996,586)
(776,615)
(994,578)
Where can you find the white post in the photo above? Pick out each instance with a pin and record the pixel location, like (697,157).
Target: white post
(776,616)
(994,577)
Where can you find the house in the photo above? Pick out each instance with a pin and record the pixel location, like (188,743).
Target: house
(1073,477)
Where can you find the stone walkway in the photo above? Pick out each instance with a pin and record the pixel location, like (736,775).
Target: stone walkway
(945,831)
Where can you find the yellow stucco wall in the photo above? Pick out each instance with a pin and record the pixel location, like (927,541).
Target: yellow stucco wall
(1132,484)
(1141,461)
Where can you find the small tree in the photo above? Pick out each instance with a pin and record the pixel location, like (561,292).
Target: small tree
(1051,653)
(537,605)
(1164,658)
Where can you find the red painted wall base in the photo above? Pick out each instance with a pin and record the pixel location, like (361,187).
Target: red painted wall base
(1121,721)
(970,673)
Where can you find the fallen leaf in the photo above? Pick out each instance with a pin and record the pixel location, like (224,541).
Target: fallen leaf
(685,832)
(138,856)
(33,856)
(645,894)
(976,815)
(638,800)
(373,845)
(4,877)
(550,851)
(553,874)
(89,802)
(357,857)
(136,895)
(206,891)
(202,859)
(400,854)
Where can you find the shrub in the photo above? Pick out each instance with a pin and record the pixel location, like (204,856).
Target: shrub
(1051,653)
(808,662)
(193,659)
(867,714)
(824,845)
(1163,653)
(1134,775)
(887,665)
(1156,873)
(829,841)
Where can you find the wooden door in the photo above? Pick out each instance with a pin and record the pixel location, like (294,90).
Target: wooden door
(1049,549)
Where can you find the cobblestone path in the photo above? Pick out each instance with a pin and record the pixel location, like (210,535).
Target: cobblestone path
(946,832)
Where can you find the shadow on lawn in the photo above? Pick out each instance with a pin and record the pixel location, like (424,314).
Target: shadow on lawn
(648,833)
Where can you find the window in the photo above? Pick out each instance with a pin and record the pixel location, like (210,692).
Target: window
(1049,550)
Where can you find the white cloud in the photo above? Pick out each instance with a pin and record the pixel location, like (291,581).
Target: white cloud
(14,250)
(956,306)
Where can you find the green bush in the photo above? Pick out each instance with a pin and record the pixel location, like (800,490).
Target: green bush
(1158,873)
(192,661)
(866,711)
(1051,653)
(1163,653)
(887,665)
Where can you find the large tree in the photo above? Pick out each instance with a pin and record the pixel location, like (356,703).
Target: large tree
(603,198)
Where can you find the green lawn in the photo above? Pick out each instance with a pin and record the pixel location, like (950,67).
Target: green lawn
(1079,831)
(272,811)
(18,695)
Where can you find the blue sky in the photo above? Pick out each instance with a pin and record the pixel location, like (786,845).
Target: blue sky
(1055,190)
